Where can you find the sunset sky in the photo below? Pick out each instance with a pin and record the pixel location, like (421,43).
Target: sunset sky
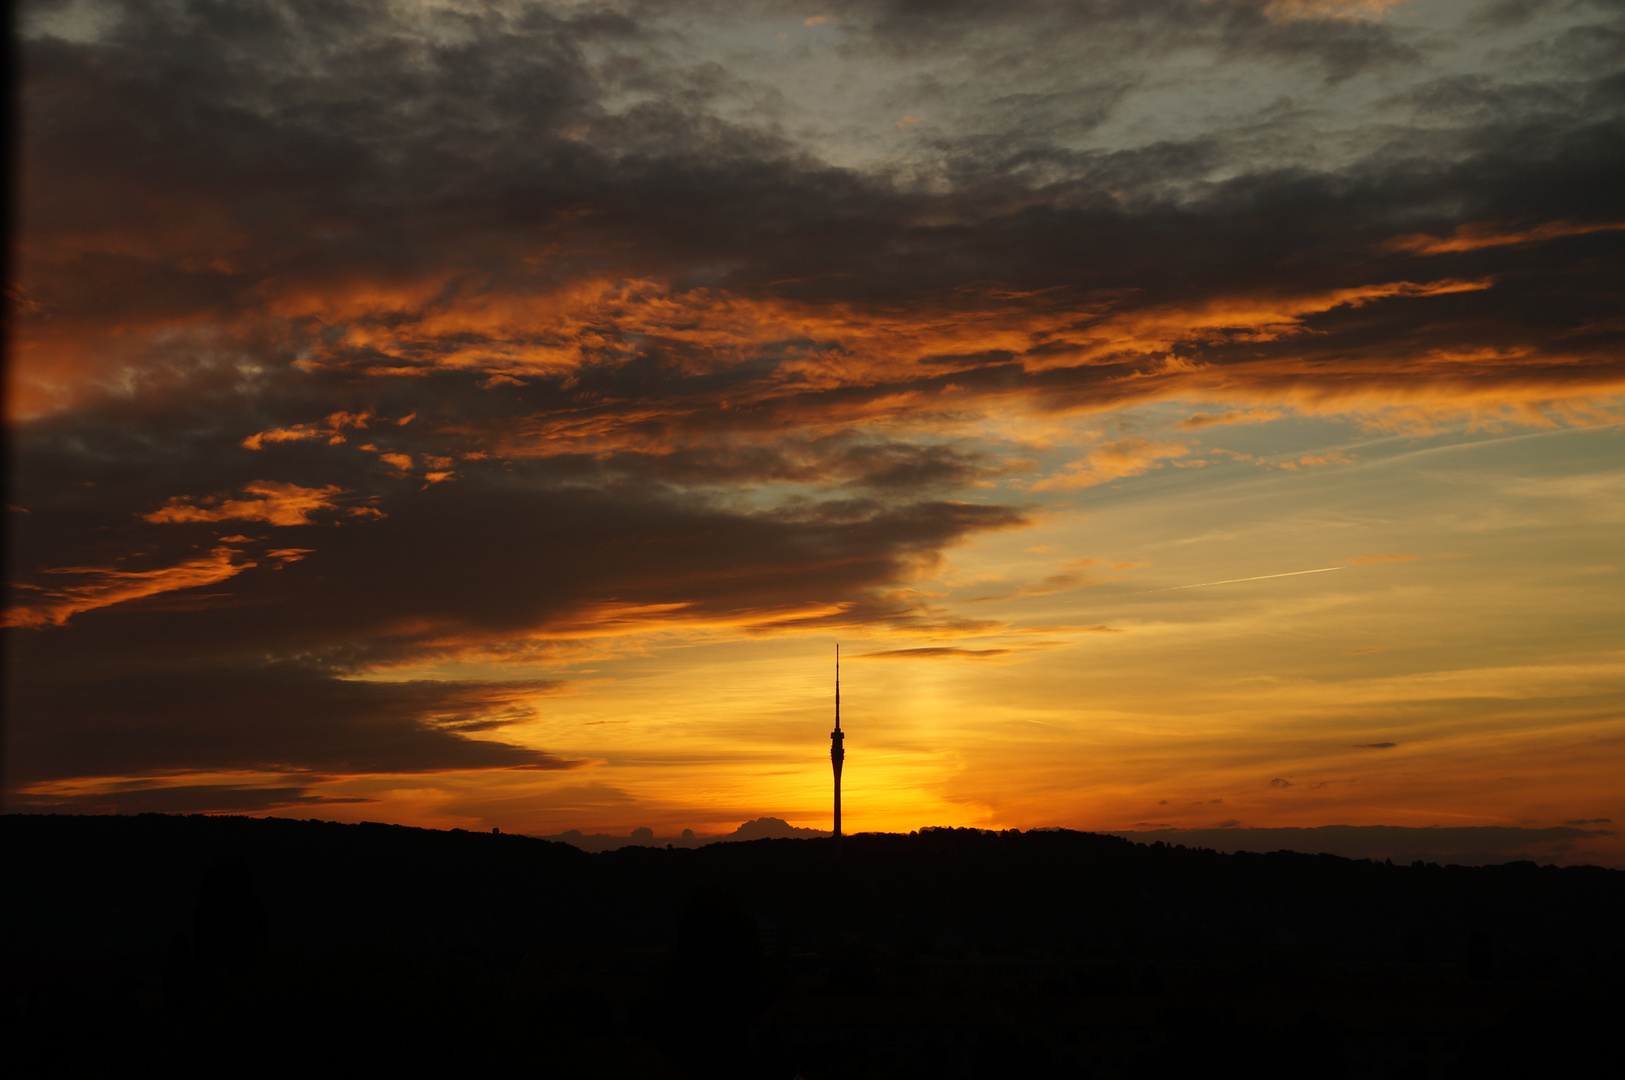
(1183,413)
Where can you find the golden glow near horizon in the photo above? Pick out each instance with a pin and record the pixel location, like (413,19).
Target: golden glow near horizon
(1468,636)
(501,458)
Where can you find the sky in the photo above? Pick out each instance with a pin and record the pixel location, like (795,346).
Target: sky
(1184,414)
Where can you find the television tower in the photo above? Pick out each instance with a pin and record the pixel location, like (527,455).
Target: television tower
(837,752)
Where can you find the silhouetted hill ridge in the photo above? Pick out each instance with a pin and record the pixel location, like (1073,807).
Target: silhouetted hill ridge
(710,961)
(364,882)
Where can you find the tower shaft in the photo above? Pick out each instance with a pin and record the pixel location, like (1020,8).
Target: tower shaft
(837,748)
(837,755)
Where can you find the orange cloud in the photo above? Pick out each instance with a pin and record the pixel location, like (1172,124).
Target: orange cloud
(104,586)
(403,462)
(1160,330)
(277,504)
(335,424)
(258,440)
(597,321)
(1110,461)
(1476,235)
(820,346)
(1309,461)
(1288,10)
(1231,416)
(899,358)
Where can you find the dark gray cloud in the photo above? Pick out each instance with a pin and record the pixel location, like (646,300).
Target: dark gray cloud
(388,158)
(180,680)
(107,714)
(171,799)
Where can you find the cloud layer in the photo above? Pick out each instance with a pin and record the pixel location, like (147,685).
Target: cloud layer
(351,340)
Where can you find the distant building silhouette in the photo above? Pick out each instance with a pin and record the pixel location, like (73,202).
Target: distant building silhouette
(837,749)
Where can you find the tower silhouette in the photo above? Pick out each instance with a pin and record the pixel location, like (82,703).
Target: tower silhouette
(837,751)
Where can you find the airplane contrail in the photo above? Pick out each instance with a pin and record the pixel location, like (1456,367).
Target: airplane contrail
(1260,577)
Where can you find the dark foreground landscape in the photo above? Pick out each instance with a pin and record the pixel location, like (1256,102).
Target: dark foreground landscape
(245,947)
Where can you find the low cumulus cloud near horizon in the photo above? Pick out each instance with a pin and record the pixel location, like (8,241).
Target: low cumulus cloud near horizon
(363,339)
